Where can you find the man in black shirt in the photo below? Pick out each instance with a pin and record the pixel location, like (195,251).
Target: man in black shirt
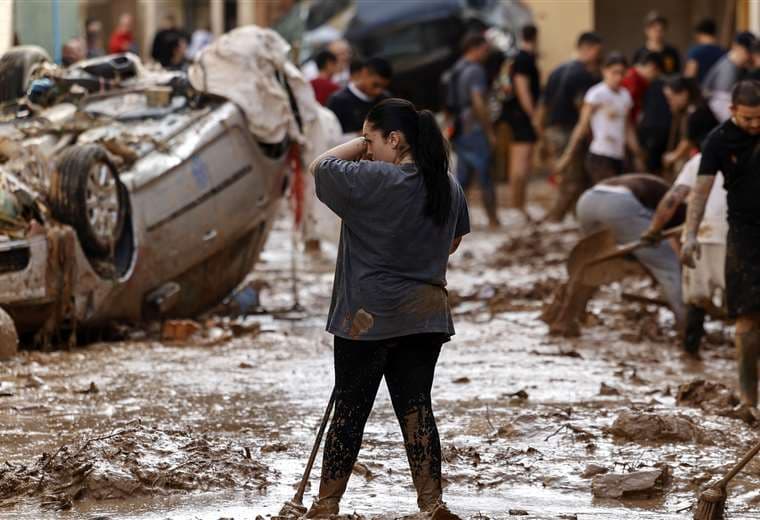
(655,27)
(733,148)
(559,110)
(366,88)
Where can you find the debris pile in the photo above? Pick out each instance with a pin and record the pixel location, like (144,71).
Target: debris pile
(638,484)
(644,426)
(132,461)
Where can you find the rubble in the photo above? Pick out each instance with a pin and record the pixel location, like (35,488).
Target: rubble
(644,426)
(134,460)
(638,484)
(706,394)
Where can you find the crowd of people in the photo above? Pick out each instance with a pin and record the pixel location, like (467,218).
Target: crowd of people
(173,47)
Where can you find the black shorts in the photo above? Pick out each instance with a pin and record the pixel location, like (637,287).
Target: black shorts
(519,122)
(600,167)
(742,270)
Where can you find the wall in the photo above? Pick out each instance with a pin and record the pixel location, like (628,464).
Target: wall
(559,22)
(33,22)
(6,25)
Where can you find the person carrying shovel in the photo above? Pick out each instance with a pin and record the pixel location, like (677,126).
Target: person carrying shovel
(402,216)
(733,149)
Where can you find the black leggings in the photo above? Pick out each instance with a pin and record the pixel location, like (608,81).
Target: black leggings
(408,364)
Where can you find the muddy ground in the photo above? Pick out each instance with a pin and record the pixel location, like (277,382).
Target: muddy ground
(532,426)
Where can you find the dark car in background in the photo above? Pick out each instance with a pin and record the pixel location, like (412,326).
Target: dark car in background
(419,37)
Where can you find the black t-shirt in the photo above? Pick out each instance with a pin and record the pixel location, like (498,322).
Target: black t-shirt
(350,109)
(564,92)
(525,64)
(655,109)
(736,154)
(671,58)
(699,123)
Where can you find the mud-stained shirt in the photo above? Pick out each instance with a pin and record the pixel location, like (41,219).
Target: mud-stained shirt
(390,274)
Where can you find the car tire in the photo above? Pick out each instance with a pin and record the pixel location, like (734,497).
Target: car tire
(86,193)
(15,67)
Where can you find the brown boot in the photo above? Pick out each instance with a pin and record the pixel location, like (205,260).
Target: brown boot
(440,511)
(330,493)
(748,354)
(324,508)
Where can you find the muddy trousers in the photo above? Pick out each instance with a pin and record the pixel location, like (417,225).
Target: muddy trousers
(408,364)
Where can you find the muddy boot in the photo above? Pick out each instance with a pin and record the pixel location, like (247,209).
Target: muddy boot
(323,508)
(328,503)
(695,329)
(748,353)
(440,511)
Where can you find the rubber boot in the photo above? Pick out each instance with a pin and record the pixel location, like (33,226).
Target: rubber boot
(440,511)
(695,329)
(747,354)
(328,503)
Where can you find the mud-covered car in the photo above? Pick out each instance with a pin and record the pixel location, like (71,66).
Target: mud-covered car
(151,200)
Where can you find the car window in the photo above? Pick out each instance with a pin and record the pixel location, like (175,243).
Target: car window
(320,12)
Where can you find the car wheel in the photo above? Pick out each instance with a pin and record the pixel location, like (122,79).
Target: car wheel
(86,193)
(15,68)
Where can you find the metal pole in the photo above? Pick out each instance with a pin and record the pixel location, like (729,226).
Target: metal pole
(57,55)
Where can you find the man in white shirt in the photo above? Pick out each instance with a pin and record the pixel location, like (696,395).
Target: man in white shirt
(703,287)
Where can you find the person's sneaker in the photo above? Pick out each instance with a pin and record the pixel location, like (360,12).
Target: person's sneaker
(442,512)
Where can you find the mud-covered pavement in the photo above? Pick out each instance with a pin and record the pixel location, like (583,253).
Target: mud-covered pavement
(212,429)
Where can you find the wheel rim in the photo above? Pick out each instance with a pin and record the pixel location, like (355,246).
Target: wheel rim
(102,200)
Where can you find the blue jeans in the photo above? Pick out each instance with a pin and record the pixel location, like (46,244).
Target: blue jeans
(628,219)
(474,156)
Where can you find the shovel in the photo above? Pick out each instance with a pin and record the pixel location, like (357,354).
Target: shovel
(601,246)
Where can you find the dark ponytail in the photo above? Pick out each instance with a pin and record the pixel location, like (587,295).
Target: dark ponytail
(427,145)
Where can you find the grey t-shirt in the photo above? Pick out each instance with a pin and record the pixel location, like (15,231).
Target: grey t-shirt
(722,76)
(470,77)
(390,274)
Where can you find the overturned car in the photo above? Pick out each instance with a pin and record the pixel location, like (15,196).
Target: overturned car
(146,201)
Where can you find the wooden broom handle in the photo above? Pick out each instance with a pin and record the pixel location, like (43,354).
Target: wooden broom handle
(740,465)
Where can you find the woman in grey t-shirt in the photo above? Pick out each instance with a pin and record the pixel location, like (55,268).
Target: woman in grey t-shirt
(402,216)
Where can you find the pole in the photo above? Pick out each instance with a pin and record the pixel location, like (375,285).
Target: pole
(57,54)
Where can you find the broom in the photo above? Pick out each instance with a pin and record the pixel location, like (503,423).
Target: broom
(712,501)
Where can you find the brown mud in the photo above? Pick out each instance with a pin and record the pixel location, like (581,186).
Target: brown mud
(527,421)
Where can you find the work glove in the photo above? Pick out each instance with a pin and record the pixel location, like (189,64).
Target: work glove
(651,237)
(690,252)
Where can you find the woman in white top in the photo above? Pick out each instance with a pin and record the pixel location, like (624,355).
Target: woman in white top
(605,114)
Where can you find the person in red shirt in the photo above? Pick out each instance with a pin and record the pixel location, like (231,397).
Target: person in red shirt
(122,39)
(638,78)
(323,85)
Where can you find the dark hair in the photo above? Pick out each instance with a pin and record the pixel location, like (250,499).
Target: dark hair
(323,58)
(529,33)
(747,93)
(756,47)
(589,38)
(379,66)
(472,40)
(647,57)
(707,26)
(653,17)
(428,147)
(356,65)
(615,58)
(680,84)
(745,39)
